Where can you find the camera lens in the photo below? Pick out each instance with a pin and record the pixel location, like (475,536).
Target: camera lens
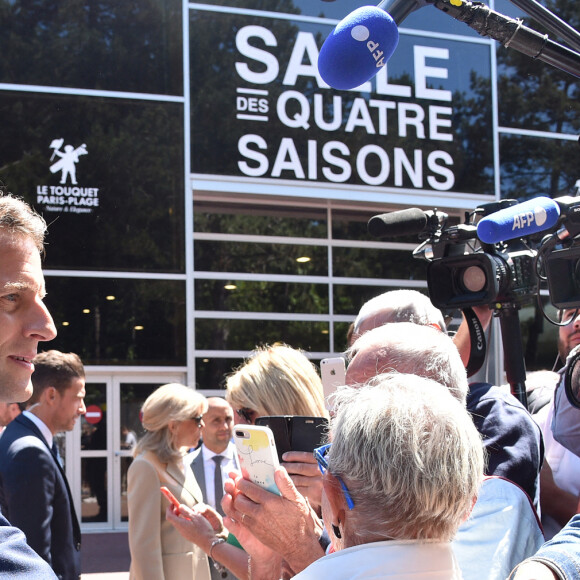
(473,279)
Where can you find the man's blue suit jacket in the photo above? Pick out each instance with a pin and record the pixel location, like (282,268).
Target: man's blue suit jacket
(35,497)
(18,560)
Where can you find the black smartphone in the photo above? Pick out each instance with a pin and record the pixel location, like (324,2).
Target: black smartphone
(296,432)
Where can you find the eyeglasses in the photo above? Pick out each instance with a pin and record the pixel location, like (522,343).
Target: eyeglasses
(246,415)
(320,456)
(198,419)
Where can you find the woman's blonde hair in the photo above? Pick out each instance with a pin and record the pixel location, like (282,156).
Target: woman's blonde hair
(171,402)
(277,380)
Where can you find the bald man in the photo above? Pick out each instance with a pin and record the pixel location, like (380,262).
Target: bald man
(211,473)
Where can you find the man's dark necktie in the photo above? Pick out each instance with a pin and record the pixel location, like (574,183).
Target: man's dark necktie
(218,484)
(56,453)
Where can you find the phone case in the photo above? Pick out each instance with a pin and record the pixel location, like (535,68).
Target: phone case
(296,432)
(257,454)
(333,374)
(308,433)
(165,491)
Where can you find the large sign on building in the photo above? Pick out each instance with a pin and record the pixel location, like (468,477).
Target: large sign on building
(423,123)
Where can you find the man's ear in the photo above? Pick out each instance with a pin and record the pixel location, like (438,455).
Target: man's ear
(49,395)
(335,498)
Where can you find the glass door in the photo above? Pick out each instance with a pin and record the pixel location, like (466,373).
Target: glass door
(94,456)
(100,449)
(127,430)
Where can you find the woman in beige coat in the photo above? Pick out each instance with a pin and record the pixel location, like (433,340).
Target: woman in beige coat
(172,417)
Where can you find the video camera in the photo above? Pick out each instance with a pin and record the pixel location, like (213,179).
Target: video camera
(502,259)
(499,262)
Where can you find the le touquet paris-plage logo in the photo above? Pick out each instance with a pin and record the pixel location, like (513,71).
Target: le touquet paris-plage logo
(69,196)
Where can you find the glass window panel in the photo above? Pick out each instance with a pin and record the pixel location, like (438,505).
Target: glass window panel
(508,9)
(94,435)
(349,299)
(94,469)
(105,45)
(211,373)
(93,489)
(125,464)
(427,19)
(259,220)
(533,166)
(131,173)
(370,263)
(60,441)
(133,396)
(367,144)
(245,335)
(340,334)
(114,321)
(353,225)
(534,95)
(260,258)
(248,296)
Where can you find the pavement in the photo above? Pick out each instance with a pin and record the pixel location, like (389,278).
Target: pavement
(105,556)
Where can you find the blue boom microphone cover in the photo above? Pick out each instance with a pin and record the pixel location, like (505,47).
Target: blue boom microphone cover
(530,217)
(358,48)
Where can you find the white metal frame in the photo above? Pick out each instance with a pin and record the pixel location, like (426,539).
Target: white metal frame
(113,380)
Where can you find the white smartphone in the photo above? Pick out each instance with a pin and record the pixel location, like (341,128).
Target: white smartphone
(257,453)
(333,374)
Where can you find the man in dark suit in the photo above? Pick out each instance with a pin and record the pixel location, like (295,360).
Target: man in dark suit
(24,322)
(34,492)
(215,458)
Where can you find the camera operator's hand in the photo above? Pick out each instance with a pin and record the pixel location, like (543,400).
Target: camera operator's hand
(462,340)
(303,469)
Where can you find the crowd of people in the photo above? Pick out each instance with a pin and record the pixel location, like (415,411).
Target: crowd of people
(422,474)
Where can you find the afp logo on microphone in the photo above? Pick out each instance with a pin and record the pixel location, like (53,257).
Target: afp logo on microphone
(357,48)
(362,33)
(537,216)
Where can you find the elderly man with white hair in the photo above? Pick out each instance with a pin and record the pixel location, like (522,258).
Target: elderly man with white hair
(397,306)
(504,528)
(511,437)
(405,347)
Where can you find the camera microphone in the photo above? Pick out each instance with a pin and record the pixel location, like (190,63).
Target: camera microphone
(529,217)
(399,223)
(358,48)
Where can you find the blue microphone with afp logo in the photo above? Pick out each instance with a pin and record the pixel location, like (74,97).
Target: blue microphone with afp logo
(530,217)
(358,48)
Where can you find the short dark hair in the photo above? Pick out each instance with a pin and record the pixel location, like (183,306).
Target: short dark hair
(18,218)
(54,369)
